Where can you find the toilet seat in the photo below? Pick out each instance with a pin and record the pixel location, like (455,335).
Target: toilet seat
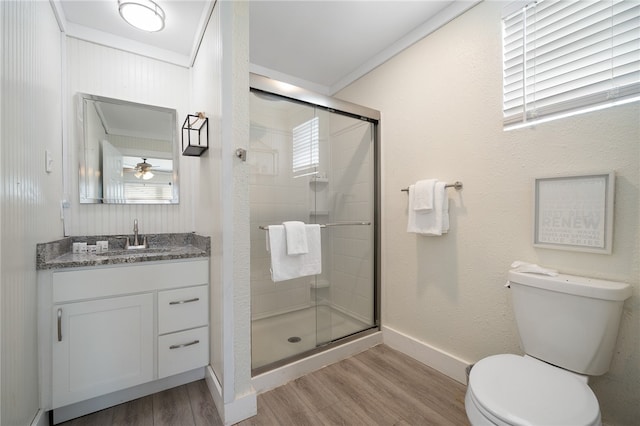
(515,390)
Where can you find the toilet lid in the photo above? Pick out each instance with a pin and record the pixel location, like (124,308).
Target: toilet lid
(524,391)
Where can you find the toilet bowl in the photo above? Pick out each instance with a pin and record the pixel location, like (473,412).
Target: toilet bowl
(520,390)
(568,327)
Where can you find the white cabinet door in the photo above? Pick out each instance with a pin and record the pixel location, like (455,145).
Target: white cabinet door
(101,346)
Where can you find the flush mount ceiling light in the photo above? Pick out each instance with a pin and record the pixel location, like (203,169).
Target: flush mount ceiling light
(143,14)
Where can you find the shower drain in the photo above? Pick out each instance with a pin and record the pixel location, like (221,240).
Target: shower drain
(294,339)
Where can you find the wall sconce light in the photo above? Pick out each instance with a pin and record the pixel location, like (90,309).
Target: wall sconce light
(142,14)
(195,135)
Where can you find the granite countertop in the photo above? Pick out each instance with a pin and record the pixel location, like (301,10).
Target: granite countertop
(58,254)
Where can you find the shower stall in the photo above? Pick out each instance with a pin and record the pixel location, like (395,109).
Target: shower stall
(312,159)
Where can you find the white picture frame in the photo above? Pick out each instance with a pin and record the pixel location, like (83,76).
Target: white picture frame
(574,212)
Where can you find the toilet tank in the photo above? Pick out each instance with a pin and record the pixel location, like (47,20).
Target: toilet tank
(568,321)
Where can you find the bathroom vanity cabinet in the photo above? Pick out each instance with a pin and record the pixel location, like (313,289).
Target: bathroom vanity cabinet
(114,327)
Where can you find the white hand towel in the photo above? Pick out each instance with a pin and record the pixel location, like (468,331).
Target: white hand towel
(532,268)
(428,223)
(296,235)
(285,267)
(423,195)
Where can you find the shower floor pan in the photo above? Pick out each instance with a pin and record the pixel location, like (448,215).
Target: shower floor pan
(283,336)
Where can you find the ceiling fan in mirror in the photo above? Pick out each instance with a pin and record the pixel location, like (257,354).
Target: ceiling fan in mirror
(143,170)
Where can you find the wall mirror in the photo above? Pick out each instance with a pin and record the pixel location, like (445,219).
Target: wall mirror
(128,152)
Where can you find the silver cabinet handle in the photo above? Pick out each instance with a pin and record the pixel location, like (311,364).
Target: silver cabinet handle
(180,302)
(59,324)
(195,342)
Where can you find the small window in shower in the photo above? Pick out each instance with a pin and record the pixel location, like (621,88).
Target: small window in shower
(305,148)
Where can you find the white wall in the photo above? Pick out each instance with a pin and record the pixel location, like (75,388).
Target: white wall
(441,117)
(103,71)
(235,135)
(30,123)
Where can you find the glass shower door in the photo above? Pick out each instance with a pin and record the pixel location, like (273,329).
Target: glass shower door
(316,166)
(344,199)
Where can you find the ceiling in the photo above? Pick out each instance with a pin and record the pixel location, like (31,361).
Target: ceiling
(134,120)
(319,45)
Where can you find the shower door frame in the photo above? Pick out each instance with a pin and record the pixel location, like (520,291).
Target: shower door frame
(296,94)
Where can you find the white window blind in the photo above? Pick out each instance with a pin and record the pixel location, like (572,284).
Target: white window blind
(569,56)
(305,147)
(147,191)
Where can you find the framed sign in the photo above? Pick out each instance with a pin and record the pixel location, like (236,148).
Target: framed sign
(574,213)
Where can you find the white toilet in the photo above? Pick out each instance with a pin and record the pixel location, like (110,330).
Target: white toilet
(568,328)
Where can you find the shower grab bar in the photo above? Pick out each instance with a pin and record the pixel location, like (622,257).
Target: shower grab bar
(324,225)
(457,185)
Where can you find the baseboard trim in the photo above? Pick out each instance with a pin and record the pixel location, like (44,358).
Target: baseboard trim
(41,418)
(237,410)
(435,358)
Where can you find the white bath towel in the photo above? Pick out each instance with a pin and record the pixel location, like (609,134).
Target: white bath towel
(432,222)
(285,267)
(423,195)
(296,235)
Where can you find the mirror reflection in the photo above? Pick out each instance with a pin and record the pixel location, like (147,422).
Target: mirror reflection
(128,154)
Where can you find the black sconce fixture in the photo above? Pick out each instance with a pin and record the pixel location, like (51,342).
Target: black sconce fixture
(195,135)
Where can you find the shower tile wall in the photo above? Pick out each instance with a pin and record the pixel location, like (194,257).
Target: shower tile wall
(274,197)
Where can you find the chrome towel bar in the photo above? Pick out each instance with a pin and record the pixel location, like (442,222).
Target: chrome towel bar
(324,225)
(457,185)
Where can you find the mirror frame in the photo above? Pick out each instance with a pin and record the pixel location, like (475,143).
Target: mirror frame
(83,161)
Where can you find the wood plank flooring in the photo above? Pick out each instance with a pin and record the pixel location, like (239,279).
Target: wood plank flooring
(377,387)
(186,405)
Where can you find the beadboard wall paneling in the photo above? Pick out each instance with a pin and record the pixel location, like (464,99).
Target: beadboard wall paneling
(104,71)
(30,123)
(206,81)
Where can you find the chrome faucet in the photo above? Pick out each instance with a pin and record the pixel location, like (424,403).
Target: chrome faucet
(136,238)
(135,232)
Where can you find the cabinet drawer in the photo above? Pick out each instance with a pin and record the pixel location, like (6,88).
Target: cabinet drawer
(182,308)
(183,351)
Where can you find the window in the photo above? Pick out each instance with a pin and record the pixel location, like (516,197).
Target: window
(305,148)
(566,57)
(147,191)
